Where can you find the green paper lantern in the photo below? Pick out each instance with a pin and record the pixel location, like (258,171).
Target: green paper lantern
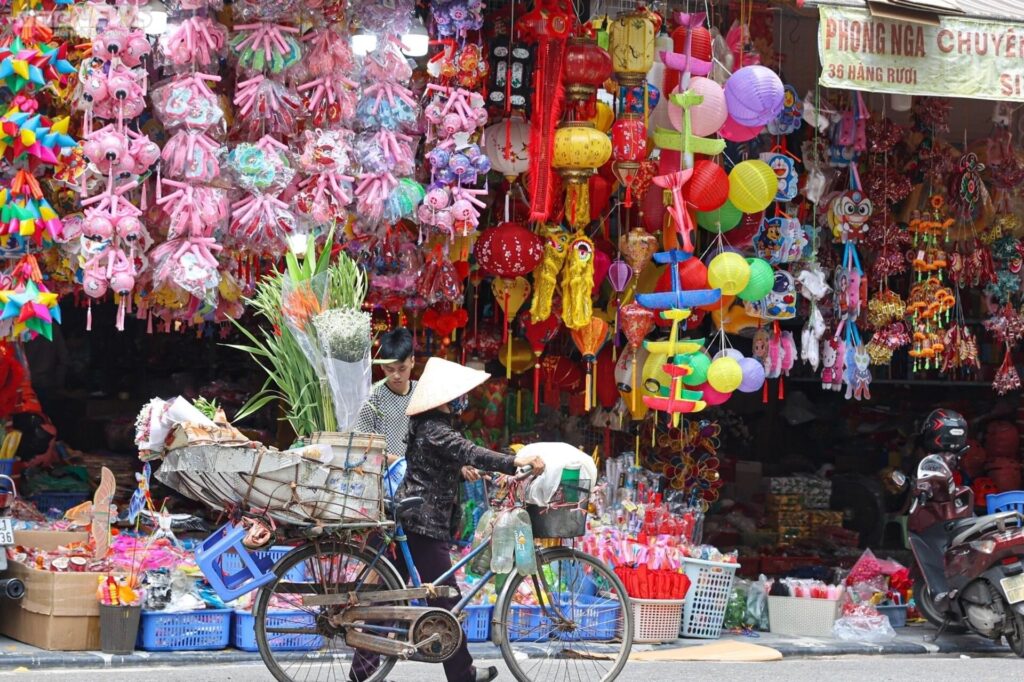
(720,220)
(698,363)
(762,279)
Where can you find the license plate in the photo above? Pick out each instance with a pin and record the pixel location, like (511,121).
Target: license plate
(6,532)
(1014,588)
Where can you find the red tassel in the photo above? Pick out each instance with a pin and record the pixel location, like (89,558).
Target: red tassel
(88,317)
(149,322)
(764,393)
(547,105)
(536,387)
(782,389)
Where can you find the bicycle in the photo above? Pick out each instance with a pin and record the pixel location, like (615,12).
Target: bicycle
(333,593)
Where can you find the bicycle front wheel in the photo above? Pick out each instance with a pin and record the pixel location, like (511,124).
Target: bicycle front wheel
(297,641)
(570,621)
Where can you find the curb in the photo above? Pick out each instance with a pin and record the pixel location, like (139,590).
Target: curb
(800,648)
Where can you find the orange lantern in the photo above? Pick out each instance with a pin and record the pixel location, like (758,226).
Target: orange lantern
(580,149)
(589,339)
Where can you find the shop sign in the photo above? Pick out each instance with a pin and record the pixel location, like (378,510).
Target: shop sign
(958,58)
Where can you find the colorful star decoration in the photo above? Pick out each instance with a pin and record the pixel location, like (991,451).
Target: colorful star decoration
(24,134)
(35,65)
(33,308)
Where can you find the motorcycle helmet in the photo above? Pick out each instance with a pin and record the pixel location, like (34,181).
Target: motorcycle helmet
(944,431)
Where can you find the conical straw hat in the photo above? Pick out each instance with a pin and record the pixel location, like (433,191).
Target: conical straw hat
(441,382)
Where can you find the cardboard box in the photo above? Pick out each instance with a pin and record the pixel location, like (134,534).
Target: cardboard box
(48,540)
(59,610)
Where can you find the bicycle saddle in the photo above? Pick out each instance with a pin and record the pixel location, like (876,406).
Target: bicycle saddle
(403,505)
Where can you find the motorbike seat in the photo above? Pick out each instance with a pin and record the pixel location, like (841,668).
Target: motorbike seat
(963,530)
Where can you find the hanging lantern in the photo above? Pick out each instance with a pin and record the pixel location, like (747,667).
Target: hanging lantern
(629,138)
(508,250)
(626,173)
(589,339)
(580,149)
(631,43)
(508,147)
(587,67)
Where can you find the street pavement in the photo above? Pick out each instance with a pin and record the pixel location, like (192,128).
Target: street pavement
(847,669)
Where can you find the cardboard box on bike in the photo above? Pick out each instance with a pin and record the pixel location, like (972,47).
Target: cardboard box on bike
(59,610)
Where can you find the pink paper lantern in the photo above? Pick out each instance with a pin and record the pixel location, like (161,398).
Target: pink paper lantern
(736,132)
(711,396)
(755,95)
(619,274)
(708,116)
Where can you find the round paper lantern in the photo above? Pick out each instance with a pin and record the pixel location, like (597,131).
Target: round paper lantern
(725,375)
(729,272)
(708,187)
(711,396)
(603,117)
(736,132)
(700,48)
(762,279)
(629,138)
(693,276)
(755,95)
(722,303)
(752,185)
(587,67)
(722,219)
(699,364)
(729,353)
(508,250)
(753,375)
(654,209)
(708,116)
(513,159)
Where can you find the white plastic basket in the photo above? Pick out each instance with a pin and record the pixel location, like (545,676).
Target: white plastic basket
(710,589)
(656,620)
(804,617)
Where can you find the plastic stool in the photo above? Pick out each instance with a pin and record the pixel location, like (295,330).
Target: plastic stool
(1012,500)
(209,558)
(898,520)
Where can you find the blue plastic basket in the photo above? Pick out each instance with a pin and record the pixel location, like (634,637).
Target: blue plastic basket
(896,613)
(265,559)
(598,619)
(61,501)
(1012,500)
(207,630)
(477,624)
(245,631)
(6,469)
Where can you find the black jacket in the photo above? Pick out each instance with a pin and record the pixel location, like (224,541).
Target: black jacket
(435,454)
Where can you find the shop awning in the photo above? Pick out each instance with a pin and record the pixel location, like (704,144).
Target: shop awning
(1000,10)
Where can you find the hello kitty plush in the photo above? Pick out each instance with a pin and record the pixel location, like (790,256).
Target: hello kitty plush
(810,338)
(832,366)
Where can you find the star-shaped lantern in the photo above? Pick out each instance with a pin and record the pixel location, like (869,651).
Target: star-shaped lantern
(33,308)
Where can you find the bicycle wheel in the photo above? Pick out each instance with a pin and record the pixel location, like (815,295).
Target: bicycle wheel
(571,621)
(298,642)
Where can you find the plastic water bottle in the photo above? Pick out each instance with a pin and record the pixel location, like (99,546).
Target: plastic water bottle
(503,545)
(526,555)
(482,561)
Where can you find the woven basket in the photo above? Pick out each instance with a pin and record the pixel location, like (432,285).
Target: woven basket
(804,617)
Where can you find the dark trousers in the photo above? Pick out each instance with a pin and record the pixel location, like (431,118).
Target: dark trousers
(432,559)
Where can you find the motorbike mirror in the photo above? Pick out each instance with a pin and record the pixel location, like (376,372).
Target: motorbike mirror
(898,479)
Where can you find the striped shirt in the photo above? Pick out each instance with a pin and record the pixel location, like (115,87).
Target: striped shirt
(384,414)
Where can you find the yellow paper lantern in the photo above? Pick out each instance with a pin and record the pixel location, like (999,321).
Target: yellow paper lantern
(752,186)
(579,150)
(603,118)
(725,375)
(729,272)
(631,44)
(522,357)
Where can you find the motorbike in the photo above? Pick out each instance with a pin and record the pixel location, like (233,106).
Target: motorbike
(969,574)
(10,588)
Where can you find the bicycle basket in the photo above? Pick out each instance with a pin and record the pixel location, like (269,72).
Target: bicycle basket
(566,516)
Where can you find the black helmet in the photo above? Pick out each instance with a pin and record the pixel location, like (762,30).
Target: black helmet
(944,431)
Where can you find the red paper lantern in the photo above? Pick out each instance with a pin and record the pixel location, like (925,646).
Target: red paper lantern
(629,138)
(508,250)
(693,276)
(700,48)
(708,187)
(587,67)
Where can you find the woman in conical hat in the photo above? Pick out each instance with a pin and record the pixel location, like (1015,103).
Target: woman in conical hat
(436,452)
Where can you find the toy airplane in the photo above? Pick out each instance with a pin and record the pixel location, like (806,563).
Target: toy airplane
(675,399)
(677,298)
(674,346)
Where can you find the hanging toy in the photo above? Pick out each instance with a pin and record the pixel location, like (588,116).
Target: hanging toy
(578,282)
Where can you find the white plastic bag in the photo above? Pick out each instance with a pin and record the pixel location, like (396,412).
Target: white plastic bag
(557,456)
(862,628)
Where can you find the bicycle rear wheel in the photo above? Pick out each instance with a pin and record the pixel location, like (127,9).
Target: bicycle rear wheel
(571,622)
(298,642)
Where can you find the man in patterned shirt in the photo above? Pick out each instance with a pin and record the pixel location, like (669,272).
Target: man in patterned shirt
(384,411)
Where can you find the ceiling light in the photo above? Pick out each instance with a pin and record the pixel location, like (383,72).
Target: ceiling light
(363,42)
(416,43)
